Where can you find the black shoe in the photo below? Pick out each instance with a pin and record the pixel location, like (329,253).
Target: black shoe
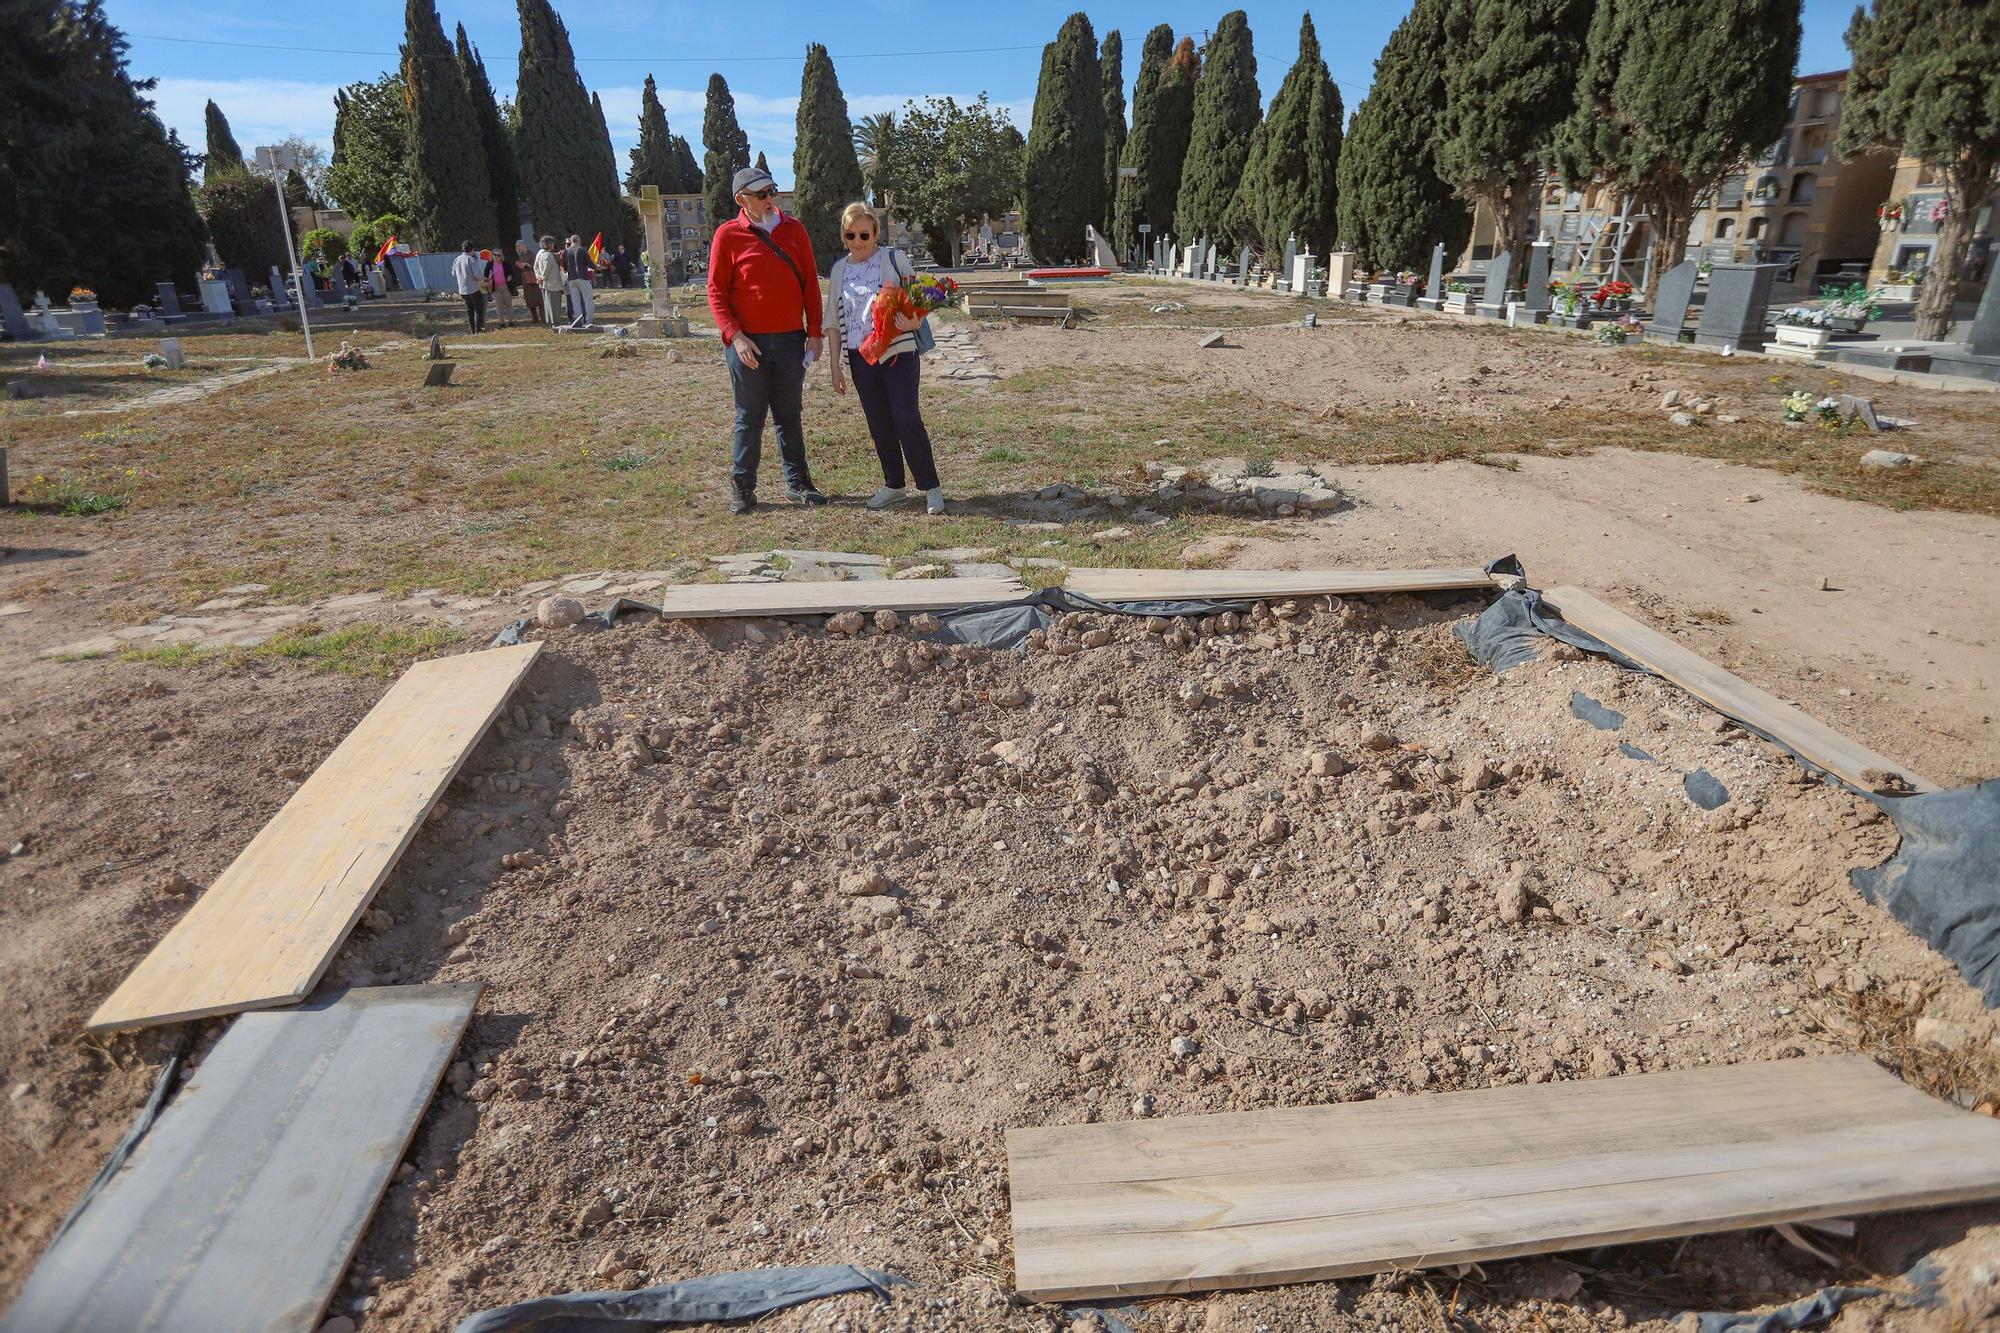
(742,500)
(808,496)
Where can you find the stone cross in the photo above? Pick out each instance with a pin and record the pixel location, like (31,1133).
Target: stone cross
(1670,309)
(652,213)
(1738,296)
(1537,296)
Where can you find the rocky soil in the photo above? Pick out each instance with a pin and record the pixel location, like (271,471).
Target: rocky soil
(783,926)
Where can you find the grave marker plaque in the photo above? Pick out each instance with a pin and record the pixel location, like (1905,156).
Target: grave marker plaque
(12,317)
(1433,297)
(1493,301)
(239,291)
(1536,298)
(165,299)
(1738,296)
(1243,267)
(1676,290)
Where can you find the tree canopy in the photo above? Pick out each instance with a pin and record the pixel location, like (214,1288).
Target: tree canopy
(1227,107)
(825,172)
(949,165)
(224,154)
(1393,207)
(1063,189)
(72,112)
(727,151)
(451,196)
(1290,181)
(1111,70)
(562,147)
(1926,80)
(370,134)
(503,173)
(653,159)
(1660,132)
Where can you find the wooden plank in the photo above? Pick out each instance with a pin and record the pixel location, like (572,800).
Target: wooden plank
(266,929)
(1268,1197)
(240,1208)
(1153,585)
(1732,694)
(702,600)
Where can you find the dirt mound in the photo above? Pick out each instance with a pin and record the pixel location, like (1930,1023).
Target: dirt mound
(781,929)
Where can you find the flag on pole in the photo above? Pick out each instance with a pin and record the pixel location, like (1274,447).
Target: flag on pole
(597,248)
(387,246)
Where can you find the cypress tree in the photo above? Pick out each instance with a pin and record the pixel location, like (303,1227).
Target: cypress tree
(1290,178)
(653,160)
(224,156)
(1926,80)
(563,149)
(826,173)
(1392,204)
(1672,98)
(370,136)
(1128,203)
(1509,75)
(451,197)
(502,172)
(1063,187)
(1111,69)
(1173,126)
(72,112)
(1226,110)
(687,168)
(608,165)
(727,151)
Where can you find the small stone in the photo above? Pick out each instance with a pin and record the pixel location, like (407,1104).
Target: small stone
(1888,458)
(1682,418)
(887,620)
(1273,829)
(1183,1047)
(1325,764)
(595,1213)
(1511,902)
(558,612)
(1378,740)
(865,884)
(1603,1064)
(1143,1104)
(846,623)
(1010,696)
(1670,400)
(923,622)
(613,1263)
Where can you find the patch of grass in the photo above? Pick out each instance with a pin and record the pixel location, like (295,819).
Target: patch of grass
(1260,467)
(357,650)
(1711,615)
(90,656)
(182,655)
(628,460)
(1001,454)
(80,492)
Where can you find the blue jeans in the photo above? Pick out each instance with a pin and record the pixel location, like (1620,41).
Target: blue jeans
(888,394)
(775,388)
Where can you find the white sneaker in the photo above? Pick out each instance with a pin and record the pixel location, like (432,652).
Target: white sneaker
(885,497)
(934,500)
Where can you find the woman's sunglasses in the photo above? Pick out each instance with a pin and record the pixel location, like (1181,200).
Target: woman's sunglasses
(858,235)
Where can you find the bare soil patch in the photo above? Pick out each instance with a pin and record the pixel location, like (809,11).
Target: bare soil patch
(781,930)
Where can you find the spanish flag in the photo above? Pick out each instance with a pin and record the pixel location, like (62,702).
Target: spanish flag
(387,246)
(597,248)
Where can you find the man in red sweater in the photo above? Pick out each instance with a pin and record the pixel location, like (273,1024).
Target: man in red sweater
(763,289)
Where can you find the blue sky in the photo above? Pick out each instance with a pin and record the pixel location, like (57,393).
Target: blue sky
(213,49)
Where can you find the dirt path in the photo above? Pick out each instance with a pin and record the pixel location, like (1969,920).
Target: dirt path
(1899,651)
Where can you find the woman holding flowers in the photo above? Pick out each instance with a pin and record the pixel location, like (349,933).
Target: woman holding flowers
(877,324)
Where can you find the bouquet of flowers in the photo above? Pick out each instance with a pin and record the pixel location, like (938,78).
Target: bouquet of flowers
(349,357)
(82,296)
(1851,302)
(1805,317)
(1608,293)
(914,299)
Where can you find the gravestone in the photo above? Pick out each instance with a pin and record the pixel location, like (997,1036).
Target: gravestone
(337,281)
(1243,267)
(239,291)
(166,300)
(1301,273)
(1208,262)
(1979,354)
(1536,298)
(1433,297)
(1738,297)
(215,296)
(1339,272)
(170,348)
(1493,301)
(12,318)
(280,296)
(1285,269)
(437,347)
(440,375)
(1670,311)
(1101,253)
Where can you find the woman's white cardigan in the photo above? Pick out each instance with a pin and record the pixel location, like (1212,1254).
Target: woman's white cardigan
(836,310)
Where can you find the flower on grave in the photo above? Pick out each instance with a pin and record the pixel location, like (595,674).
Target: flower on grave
(1614,332)
(1854,302)
(1889,212)
(1827,413)
(154,361)
(1939,209)
(1805,317)
(1617,289)
(80,295)
(349,357)
(1797,404)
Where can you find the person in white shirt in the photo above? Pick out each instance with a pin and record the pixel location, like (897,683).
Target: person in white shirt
(548,272)
(468,274)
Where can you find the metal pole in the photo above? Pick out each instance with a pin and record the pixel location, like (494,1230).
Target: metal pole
(298,279)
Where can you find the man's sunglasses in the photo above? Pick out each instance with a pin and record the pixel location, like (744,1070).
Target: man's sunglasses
(762,194)
(857,235)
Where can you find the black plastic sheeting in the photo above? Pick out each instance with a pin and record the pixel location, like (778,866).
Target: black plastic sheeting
(1817,1308)
(699,1300)
(1943,883)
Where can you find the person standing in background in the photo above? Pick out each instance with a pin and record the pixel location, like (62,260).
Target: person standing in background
(531,286)
(503,298)
(577,273)
(468,275)
(621,264)
(549,275)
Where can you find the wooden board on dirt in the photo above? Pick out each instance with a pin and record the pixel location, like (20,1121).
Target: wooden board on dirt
(267,928)
(694,601)
(1224,585)
(1261,1198)
(241,1206)
(1814,741)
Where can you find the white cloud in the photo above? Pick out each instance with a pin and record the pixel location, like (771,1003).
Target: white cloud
(260,111)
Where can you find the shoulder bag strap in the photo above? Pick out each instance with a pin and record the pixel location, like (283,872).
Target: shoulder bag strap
(790,263)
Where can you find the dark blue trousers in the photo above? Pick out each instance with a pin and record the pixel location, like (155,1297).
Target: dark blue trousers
(776,388)
(888,394)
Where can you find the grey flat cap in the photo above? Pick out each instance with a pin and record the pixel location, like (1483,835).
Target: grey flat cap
(750,178)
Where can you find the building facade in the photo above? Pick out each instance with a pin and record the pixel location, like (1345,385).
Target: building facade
(1907,226)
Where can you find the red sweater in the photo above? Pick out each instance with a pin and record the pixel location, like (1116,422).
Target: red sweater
(751,290)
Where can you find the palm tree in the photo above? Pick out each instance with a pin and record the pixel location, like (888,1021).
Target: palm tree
(871,141)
